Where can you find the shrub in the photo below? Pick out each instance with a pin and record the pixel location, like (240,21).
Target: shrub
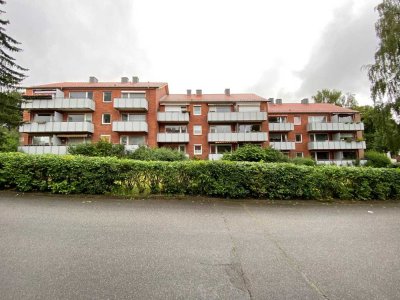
(101,148)
(160,154)
(255,153)
(377,160)
(306,161)
(100,175)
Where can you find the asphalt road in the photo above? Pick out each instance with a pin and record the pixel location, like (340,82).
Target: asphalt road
(95,248)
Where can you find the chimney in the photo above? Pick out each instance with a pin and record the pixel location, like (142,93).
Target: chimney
(198,92)
(271,100)
(93,79)
(124,79)
(135,79)
(189,92)
(304,101)
(278,101)
(227,92)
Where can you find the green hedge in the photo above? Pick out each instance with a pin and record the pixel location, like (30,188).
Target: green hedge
(100,175)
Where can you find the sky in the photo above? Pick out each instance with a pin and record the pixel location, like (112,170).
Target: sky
(285,49)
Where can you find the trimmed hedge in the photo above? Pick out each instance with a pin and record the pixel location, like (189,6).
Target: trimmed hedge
(99,175)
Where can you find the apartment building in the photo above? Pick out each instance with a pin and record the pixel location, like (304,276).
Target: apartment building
(136,113)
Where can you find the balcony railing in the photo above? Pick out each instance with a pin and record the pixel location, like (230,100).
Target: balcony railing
(131,104)
(283,145)
(335,126)
(237,116)
(33,149)
(63,104)
(336,145)
(130,126)
(57,127)
(238,137)
(165,137)
(281,126)
(339,162)
(214,156)
(173,116)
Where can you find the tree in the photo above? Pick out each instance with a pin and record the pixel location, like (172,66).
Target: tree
(11,74)
(384,74)
(335,97)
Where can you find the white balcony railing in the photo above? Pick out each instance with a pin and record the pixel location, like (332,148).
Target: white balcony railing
(238,137)
(214,156)
(131,104)
(164,137)
(33,149)
(339,162)
(335,126)
(281,126)
(283,145)
(130,126)
(173,116)
(247,116)
(336,145)
(63,104)
(57,127)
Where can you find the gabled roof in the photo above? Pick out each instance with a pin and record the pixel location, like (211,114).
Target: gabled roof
(307,108)
(86,85)
(213,98)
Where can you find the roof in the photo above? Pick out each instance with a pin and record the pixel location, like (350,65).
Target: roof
(212,98)
(308,108)
(85,85)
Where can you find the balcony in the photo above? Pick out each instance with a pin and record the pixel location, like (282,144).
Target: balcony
(344,163)
(283,145)
(165,137)
(336,145)
(131,148)
(131,104)
(62,104)
(281,126)
(130,126)
(238,137)
(215,156)
(56,127)
(335,126)
(173,116)
(249,116)
(32,149)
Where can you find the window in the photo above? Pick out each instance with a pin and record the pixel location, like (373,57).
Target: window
(297,120)
(318,137)
(246,108)
(197,110)
(220,129)
(322,155)
(106,138)
(76,140)
(277,119)
(220,148)
(133,95)
(299,154)
(349,155)
(106,119)
(175,108)
(175,129)
(197,130)
(278,137)
(80,95)
(133,117)
(107,97)
(42,118)
(250,128)
(198,150)
(299,138)
(76,117)
(41,140)
(317,119)
(344,118)
(345,136)
(219,108)
(182,148)
(132,140)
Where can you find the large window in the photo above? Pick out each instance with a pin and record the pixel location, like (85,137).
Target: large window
(43,118)
(322,155)
(132,95)
(175,129)
(219,108)
(248,108)
(175,108)
(41,140)
(278,137)
(133,117)
(132,140)
(317,119)
(76,140)
(80,117)
(250,128)
(220,148)
(277,119)
(220,129)
(80,95)
(318,137)
(349,155)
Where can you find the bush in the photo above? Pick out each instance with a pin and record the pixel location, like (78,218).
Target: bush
(377,160)
(303,161)
(160,154)
(100,175)
(101,148)
(255,153)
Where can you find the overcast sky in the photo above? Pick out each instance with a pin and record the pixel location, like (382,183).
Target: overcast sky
(278,49)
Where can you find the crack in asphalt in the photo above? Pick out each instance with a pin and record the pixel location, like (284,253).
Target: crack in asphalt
(290,261)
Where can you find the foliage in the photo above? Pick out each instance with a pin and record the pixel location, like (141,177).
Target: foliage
(101,148)
(255,153)
(377,159)
(306,161)
(335,97)
(160,154)
(384,74)
(100,175)
(9,140)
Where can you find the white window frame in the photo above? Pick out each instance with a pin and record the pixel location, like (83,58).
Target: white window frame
(194,110)
(197,130)
(200,152)
(111,99)
(86,96)
(294,120)
(301,156)
(301,138)
(102,119)
(105,137)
